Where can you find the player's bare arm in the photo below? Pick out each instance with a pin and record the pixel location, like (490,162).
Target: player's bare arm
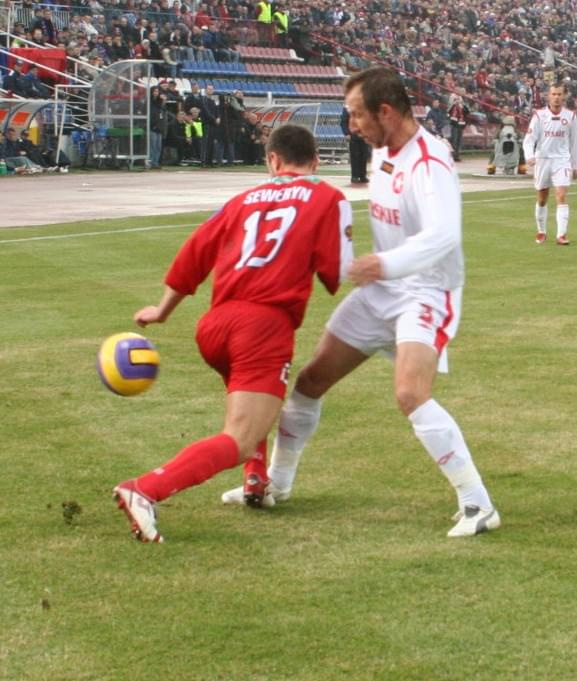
(157,314)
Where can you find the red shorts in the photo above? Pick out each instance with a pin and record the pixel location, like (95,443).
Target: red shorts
(250,345)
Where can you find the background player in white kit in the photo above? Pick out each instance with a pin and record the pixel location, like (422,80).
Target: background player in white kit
(550,146)
(407,301)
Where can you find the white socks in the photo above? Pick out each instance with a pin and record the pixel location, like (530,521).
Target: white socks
(541,218)
(299,419)
(441,437)
(562,219)
(434,427)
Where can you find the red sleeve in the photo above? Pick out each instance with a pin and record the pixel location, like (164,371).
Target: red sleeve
(197,256)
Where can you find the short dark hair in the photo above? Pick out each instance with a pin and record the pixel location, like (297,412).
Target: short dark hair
(558,85)
(381,85)
(295,144)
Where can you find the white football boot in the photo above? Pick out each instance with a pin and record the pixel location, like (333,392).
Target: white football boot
(140,512)
(474,520)
(273,494)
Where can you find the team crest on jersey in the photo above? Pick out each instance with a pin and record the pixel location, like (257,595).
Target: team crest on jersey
(349,232)
(387,167)
(398,182)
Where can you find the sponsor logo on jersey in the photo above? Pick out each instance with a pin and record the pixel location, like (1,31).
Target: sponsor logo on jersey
(391,216)
(387,167)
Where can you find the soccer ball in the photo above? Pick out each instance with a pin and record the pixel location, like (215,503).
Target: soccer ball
(127,363)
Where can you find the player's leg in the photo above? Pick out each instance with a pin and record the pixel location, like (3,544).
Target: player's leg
(249,417)
(352,335)
(562,213)
(423,332)
(438,432)
(300,415)
(542,184)
(541,215)
(250,346)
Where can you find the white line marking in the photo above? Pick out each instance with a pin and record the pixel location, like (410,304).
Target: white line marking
(151,228)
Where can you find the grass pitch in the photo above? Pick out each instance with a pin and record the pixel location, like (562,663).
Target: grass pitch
(353,578)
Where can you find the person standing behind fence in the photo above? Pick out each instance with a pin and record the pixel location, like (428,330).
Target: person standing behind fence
(358,150)
(263,9)
(458,113)
(158,125)
(550,146)
(280,19)
(209,115)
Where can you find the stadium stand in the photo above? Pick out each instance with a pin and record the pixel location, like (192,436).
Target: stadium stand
(499,58)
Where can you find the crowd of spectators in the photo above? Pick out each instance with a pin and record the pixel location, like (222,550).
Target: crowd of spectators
(202,128)
(497,56)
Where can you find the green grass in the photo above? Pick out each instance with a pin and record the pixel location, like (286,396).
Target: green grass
(353,578)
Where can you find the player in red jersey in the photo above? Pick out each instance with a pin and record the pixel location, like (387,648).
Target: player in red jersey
(407,302)
(264,247)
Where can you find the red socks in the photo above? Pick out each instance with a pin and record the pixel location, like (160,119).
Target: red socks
(257,464)
(191,466)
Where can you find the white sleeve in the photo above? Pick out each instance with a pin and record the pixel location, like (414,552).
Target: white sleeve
(531,138)
(573,141)
(345,229)
(436,207)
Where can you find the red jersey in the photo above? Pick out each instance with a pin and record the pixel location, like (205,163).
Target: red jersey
(266,244)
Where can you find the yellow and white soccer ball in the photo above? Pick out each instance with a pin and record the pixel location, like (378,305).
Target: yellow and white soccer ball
(127,363)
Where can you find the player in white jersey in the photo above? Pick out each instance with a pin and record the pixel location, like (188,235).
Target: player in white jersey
(550,146)
(407,301)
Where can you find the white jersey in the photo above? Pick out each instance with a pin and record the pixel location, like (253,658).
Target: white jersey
(552,136)
(415,209)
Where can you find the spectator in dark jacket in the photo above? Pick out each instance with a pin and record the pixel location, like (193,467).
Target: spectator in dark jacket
(35,88)
(358,150)
(14,82)
(437,117)
(210,117)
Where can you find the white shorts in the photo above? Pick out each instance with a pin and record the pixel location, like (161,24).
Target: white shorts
(552,172)
(431,318)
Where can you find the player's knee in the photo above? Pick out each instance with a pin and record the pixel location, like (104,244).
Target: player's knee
(246,446)
(409,398)
(313,382)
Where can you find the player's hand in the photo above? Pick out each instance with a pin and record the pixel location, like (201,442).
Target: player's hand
(365,270)
(148,315)
(531,162)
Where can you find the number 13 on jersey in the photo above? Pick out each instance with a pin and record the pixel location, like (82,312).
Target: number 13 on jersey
(254,224)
